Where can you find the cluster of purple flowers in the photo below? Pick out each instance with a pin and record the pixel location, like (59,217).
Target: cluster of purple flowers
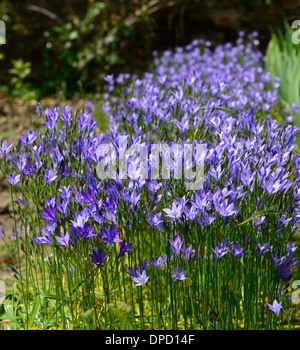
(223,99)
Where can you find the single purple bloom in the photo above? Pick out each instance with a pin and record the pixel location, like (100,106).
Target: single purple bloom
(277,262)
(111,235)
(159,262)
(39,109)
(27,138)
(144,265)
(21,200)
(49,176)
(224,209)
(64,239)
(154,220)
(45,239)
(132,272)
(14,179)
(275,307)
(63,208)
(237,251)
(86,231)
(220,251)
(81,217)
(285,272)
(187,253)
(65,193)
(88,196)
(175,213)
(263,248)
(179,275)
(98,257)
(124,248)
(49,214)
(4,149)
(140,278)
(16,235)
(176,245)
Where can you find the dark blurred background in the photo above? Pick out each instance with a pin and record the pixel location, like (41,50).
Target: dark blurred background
(68,46)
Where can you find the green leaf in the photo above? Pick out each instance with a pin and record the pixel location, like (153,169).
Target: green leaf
(35,309)
(261,213)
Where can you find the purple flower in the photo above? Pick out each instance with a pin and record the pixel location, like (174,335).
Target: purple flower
(187,253)
(49,214)
(39,109)
(132,272)
(45,239)
(28,137)
(49,176)
(21,200)
(86,231)
(140,278)
(64,239)
(277,262)
(144,265)
(124,248)
(111,235)
(63,208)
(263,248)
(224,209)
(221,250)
(81,217)
(159,262)
(98,257)
(179,275)
(176,245)
(13,269)
(275,307)
(175,213)
(236,251)
(14,179)
(154,220)
(4,149)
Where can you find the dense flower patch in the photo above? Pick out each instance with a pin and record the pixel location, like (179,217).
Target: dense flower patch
(115,231)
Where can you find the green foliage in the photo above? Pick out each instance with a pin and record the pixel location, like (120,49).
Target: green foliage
(283,61)
(18,85)
(82,46)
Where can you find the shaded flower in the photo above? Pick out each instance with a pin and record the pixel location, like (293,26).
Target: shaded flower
(236,251)
(158,263)
(187,253)
(13,269)
(124,248)
(97,257)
